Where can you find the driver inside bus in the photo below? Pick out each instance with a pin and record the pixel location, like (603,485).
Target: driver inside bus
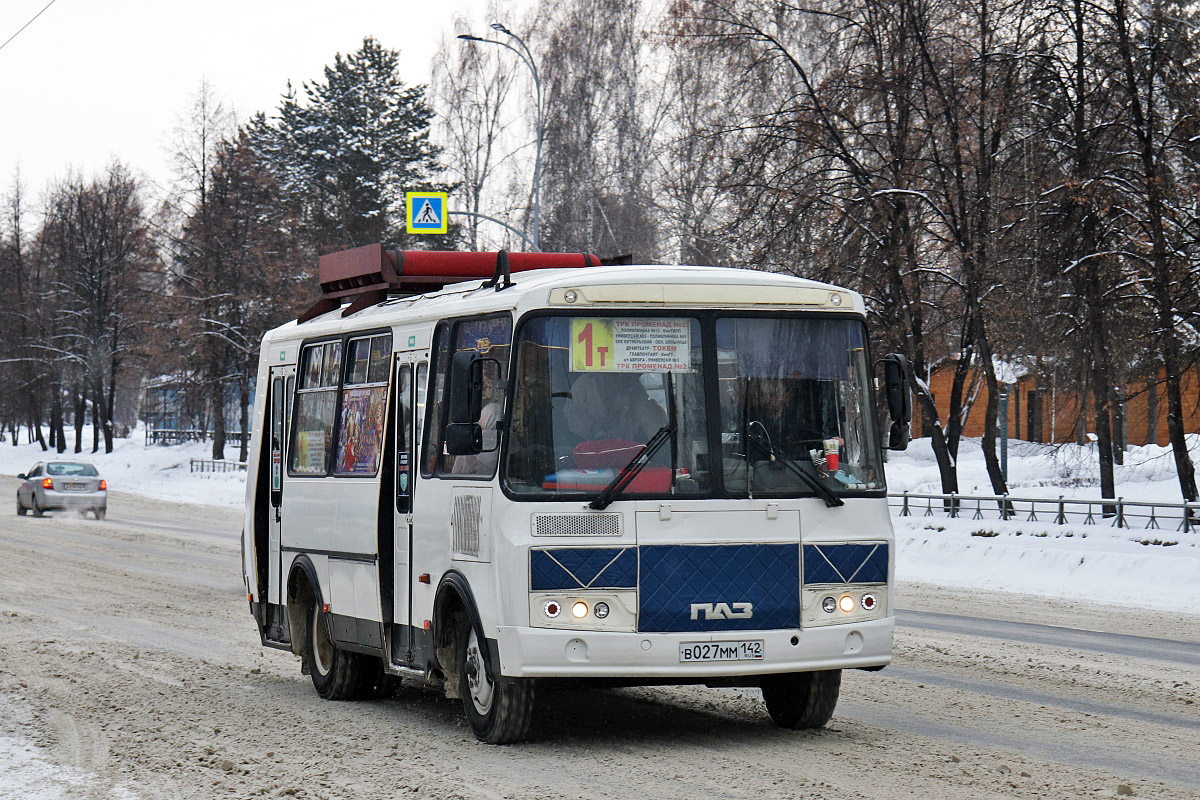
(612,405)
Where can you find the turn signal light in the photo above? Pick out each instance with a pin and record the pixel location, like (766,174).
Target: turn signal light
(47,483)
(103,485)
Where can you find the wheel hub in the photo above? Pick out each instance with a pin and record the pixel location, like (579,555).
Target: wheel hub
(478,681)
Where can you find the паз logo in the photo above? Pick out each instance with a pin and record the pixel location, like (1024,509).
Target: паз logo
(723,610)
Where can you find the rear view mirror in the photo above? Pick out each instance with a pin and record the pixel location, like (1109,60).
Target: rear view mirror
(464,438)
(466,387)
(899,399)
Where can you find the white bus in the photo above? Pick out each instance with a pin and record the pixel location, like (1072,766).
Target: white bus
(481,470)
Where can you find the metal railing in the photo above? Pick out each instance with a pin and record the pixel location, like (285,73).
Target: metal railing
(1118,512)
(212,465)
(180,435)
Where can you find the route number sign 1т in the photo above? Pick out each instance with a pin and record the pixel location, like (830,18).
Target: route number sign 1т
(630,345)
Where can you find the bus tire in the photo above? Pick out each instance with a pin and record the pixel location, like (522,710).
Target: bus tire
(802,699)
(498,709)
(336,674)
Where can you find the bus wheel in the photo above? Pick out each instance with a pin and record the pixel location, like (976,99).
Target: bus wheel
(335,673)
(802,699)
(498,709)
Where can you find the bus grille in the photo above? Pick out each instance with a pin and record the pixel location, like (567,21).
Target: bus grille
(466,524)
(576,524)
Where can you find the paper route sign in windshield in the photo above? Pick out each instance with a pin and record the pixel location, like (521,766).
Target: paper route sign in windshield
(630,345)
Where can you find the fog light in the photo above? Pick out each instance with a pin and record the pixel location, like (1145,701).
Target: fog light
(829,605)
(579,609)
(601,610)
(552,608)
(869,602)
(846,603)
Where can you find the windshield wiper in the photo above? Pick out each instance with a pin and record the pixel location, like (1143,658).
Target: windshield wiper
(831,499)
(631,470)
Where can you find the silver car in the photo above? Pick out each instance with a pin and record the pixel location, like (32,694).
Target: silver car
(52,485)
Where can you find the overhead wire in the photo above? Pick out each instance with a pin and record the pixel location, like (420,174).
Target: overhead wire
(27,24)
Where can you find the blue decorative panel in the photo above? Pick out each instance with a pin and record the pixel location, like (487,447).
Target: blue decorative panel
(718,578)
(845,563)
(573,568)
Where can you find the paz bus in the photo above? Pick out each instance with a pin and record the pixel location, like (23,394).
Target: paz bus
(482,471)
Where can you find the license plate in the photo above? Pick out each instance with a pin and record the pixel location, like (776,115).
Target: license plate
(721,651)
(75,487)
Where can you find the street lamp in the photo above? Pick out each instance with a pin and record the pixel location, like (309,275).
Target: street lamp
(527,58)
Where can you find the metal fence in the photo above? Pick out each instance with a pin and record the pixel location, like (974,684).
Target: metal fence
(1118,513)
(211,465)
(180,435)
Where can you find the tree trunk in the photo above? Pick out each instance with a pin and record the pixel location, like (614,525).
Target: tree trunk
(109,405)
(80,411)
(218,412)
(1152,408)
(244,416)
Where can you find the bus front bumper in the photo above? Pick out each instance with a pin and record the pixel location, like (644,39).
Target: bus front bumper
(544,653)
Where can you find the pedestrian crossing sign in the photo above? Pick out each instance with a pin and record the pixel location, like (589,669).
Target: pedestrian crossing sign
(426,211)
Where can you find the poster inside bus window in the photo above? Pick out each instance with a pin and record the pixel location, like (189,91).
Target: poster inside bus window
(362,431)
(632,344)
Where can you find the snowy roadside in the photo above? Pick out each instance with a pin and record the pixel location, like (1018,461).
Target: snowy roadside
(1157,569)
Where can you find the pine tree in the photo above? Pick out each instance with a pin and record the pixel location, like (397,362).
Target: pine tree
(350,147)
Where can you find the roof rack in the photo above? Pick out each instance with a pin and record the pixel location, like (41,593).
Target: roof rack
(370,274)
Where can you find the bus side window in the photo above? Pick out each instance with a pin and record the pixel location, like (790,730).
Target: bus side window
(403,438)
(431,447)
(316,403)
(491,338)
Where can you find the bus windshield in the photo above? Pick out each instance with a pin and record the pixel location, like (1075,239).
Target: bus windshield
(793,394)
(795,397)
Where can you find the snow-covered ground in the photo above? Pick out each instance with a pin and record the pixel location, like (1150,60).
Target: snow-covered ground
(160,471)
(1097,563)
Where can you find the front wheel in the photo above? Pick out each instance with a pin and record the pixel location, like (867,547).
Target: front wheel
(336,674)
(21,509)
(498,709)
(802,699)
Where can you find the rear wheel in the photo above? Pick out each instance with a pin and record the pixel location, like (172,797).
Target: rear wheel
(100,512)
(336,674)
(34,507)
(498,709)
(802,699)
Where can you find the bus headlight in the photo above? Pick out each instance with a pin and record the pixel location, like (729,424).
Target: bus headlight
(600,610)
(829,605)
(579,609)
(846,604)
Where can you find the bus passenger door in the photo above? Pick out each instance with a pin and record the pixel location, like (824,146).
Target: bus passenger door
(405,460)
(282,382)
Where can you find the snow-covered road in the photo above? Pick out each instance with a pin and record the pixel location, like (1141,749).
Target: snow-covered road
(129,644)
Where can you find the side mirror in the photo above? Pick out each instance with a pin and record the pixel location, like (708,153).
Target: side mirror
(899,399)
(22,477)
(466,388)
(464,438)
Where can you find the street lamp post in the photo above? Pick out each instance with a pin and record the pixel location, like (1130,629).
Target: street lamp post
(527,58)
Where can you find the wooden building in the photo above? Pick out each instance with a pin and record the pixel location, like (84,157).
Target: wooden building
(1040,411)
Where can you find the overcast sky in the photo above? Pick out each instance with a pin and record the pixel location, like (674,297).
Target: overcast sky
(93,80)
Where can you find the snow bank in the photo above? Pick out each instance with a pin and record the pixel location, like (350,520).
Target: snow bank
(1043,470)
(161,472)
